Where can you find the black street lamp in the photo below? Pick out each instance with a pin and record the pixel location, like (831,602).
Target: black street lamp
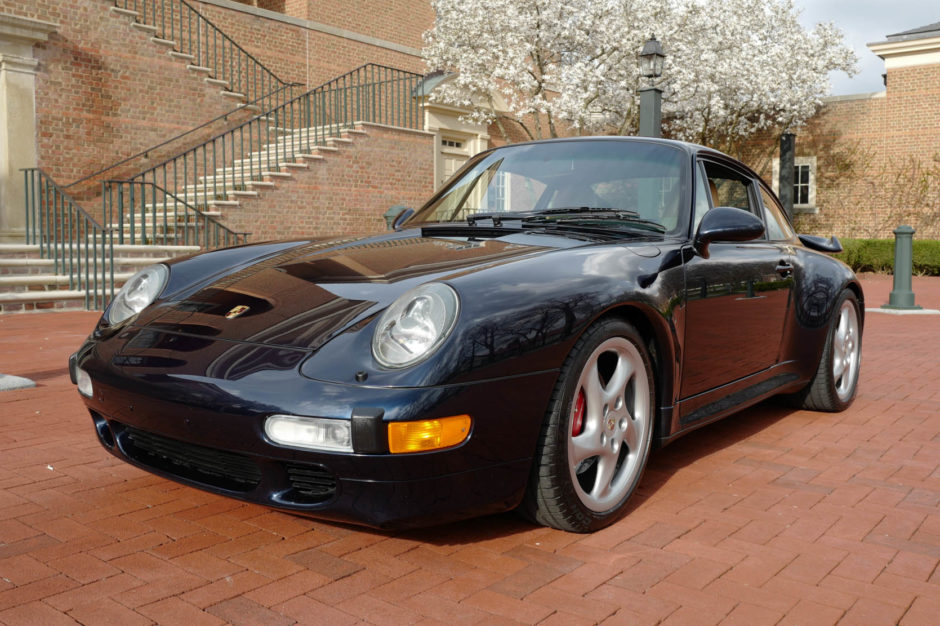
(651,97)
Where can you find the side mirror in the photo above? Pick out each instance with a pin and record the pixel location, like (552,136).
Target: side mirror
(397,214)
(821,244)
(726,223)
(402,218)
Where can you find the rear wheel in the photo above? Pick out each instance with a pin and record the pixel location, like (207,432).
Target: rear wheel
(596,438)
(834,385)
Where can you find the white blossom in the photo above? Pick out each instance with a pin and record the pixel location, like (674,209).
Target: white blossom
(733,67)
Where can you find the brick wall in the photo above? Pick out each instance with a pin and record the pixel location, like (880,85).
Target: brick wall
(878,159)
(104,91)
(347,192)
(299,54)
(400,21)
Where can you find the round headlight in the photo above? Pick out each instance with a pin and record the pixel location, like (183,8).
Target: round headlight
(137,293)
(415,325)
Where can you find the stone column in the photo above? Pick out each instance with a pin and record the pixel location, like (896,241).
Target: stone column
(18,70)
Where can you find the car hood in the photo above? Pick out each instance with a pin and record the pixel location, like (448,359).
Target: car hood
(302,296)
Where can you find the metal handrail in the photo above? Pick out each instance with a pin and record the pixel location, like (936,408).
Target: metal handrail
(235,159)
(195,36)
(79,246)
(155,215)
(273,99)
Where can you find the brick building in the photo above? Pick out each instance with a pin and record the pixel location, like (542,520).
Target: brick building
(87,83)
(867,163)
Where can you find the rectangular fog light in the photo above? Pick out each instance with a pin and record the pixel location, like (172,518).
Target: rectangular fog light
(314,433)
(83,380)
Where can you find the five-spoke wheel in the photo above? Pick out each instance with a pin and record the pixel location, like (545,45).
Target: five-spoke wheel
(597,435)
(846,351)
(834,384)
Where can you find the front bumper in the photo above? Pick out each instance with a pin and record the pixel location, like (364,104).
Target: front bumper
(174,420)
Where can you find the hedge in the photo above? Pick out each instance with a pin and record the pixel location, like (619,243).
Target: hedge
(877,255)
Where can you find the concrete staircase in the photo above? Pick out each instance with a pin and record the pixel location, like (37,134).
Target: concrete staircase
(276,163)
(31,283)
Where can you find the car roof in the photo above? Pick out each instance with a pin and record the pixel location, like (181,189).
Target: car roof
(692,149)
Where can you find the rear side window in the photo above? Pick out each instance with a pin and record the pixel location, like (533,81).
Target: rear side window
(729,187)
(778,228)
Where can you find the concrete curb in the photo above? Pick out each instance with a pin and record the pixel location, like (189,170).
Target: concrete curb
(903,311)
(8,382)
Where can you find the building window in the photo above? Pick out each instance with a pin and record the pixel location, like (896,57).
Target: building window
(801,185)
(496,194)
(450,143)
(804,183)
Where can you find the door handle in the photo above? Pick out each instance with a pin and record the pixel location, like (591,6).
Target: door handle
(784,269)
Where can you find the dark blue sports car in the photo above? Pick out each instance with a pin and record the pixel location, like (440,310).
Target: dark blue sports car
(523,341)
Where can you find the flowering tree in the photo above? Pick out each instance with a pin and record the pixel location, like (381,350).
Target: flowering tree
(733,67)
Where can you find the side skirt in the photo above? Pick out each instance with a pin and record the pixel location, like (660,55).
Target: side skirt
(710,406)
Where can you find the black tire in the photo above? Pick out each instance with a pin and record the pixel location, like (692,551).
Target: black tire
(581,482)
(834,385)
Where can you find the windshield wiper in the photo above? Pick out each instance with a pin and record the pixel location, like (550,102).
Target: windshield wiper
(573,214)
(569,215)
(500,216)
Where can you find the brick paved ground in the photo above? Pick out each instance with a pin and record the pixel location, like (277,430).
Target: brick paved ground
(772,516)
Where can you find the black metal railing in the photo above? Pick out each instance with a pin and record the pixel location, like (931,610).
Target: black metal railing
(84,250)
(127,166)
(145,213)
(80,247)
(205,46)
(208,174)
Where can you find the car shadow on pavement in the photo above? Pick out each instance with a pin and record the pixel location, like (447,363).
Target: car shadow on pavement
(662,467)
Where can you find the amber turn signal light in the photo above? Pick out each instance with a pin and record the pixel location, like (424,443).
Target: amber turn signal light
(427,435)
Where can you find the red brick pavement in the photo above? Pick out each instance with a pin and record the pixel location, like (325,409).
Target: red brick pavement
(771,516)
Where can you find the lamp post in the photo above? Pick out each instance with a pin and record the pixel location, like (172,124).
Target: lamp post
(651,97)
(785,179)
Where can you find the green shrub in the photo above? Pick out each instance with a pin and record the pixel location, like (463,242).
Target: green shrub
(877,255)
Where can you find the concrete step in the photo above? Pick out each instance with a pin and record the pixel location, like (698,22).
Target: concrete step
(49,282)
(230,177)
(145,28)
(24,266)
(29,301)
(30,280)
(209,208)
(124,12)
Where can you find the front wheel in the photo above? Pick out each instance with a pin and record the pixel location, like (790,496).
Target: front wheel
(834,385)
(597,434)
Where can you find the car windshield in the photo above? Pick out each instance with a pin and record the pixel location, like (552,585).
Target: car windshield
(614,184)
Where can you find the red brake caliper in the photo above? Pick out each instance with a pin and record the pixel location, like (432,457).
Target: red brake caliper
(577,420)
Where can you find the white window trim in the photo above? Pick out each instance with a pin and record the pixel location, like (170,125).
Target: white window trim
(809,207)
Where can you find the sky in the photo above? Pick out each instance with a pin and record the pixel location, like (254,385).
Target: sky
(863,22)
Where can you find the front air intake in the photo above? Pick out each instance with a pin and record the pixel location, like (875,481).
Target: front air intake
(216,468)
(310,484)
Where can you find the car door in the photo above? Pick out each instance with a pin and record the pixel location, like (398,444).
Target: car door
(738,298)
